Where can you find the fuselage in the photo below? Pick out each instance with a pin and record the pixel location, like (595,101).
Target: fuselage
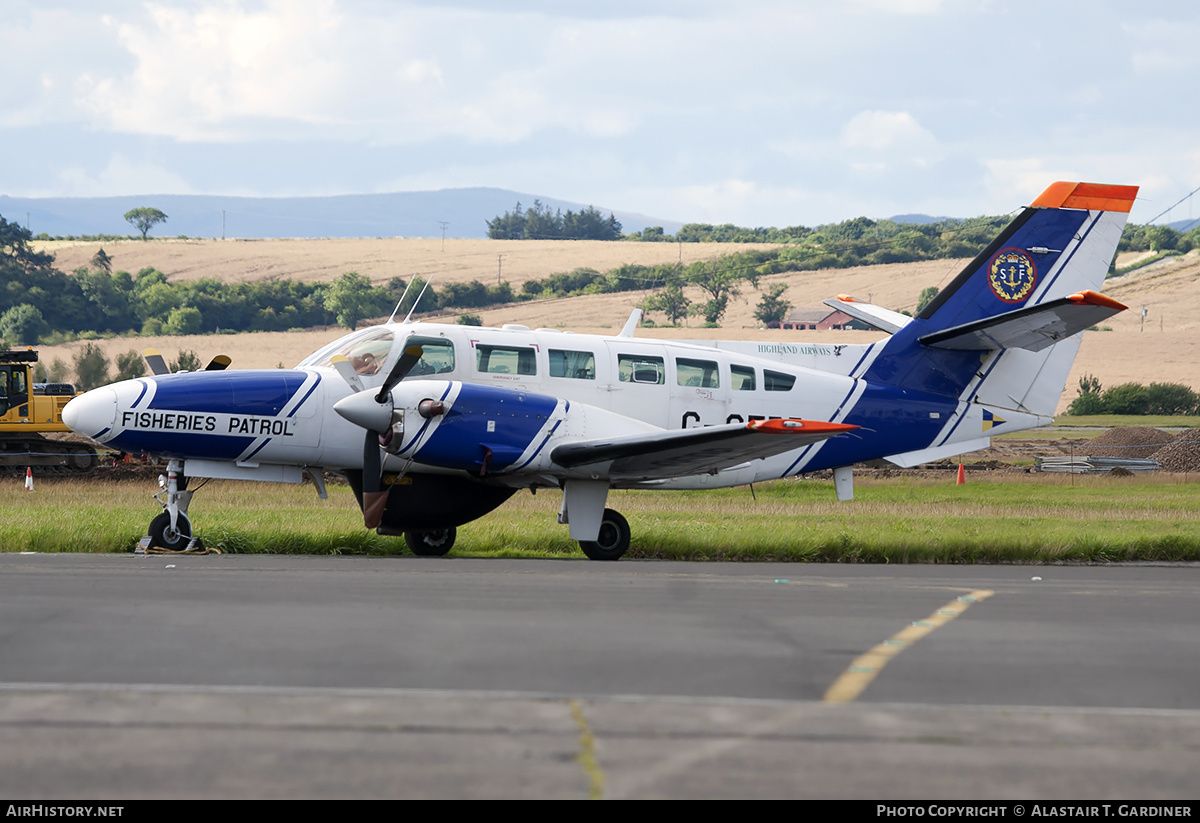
(271,424)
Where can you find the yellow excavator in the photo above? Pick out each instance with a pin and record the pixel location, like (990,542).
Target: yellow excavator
(27,411)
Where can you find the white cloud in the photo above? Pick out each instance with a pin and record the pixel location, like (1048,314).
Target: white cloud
(121,176)
(881,130)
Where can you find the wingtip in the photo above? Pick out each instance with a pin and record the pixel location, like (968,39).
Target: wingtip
(798,426)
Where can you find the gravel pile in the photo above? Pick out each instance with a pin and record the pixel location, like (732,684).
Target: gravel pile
(1183,455)
(1129,441)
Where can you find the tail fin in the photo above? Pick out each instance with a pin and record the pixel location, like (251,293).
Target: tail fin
(1004,332)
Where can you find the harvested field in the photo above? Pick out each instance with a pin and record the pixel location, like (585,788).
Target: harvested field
(1164,346)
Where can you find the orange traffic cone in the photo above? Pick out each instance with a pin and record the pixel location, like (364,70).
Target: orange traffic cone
(962,476)
(28,478)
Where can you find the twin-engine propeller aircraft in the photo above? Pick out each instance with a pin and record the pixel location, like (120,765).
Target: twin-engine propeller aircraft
(435,425)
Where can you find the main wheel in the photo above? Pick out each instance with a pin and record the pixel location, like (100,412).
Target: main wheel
(613,540)
(163,536)
(430,542)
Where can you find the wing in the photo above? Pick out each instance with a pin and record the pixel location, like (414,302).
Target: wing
(694,451)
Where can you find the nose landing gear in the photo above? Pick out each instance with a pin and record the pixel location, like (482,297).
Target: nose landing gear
(171,529)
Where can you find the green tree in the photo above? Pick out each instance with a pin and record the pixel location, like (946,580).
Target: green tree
(102,262)
(188,360)
(91,367)
(927,295)
(722,280)
(183,320)
(772,308)
(1090,399)
(671,301)
(130,365)
(144,219)
(22,325)
(469,320)
(352,297)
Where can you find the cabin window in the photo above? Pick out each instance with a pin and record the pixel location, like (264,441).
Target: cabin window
(701,374)
(641,368)
(505,359)
(777,381)
(743,378)
(437,356)
(578,365)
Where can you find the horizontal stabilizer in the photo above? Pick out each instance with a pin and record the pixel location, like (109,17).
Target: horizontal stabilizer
(874,316)
(686,452)
(1033,327)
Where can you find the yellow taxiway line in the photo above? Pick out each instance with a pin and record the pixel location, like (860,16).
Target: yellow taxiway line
(865,668)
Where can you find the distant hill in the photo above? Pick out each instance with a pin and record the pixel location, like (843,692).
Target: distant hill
(400,214)
(918,219)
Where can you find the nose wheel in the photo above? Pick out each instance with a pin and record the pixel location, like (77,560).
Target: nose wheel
(174,538)
(171,529)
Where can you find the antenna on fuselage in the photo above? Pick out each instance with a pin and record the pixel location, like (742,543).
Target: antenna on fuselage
(631,324)
(417,302)
(400,302)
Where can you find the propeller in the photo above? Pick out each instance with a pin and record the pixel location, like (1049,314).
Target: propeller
(155,361)
(158,365)
(375,413)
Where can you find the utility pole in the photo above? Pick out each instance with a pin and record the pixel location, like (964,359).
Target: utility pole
(499,267)
(222,224)
(443,224)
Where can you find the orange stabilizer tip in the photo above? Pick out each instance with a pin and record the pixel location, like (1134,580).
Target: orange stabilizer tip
(845,298)
(1091,298)
(1095,196)
(796,426)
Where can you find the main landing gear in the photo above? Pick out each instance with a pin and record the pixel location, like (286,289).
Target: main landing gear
(430,542)
(171,529)
(613,540)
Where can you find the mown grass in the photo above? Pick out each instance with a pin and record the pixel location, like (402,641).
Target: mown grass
(991,519)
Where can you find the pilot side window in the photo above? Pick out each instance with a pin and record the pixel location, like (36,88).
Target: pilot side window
(505,359)
(366,352)
(437,355)
(701,374)
(777,381)
(579,365)
(742,378)
(641,368)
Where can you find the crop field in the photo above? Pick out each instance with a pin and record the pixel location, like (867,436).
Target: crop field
(995,517)
(1161,346)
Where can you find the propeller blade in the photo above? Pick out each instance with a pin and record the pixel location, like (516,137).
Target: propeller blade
(346,369)
(404,365)
(218,363)
(374,498)
(155,361)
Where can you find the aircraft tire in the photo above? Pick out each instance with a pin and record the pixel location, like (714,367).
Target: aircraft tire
(163,536)
(613,540)
(430,542)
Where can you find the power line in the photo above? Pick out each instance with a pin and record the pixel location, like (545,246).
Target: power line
(1173,205)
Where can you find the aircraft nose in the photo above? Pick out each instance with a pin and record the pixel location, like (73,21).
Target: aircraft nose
(91,413)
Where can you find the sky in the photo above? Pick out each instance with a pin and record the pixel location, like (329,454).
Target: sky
(758,113)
